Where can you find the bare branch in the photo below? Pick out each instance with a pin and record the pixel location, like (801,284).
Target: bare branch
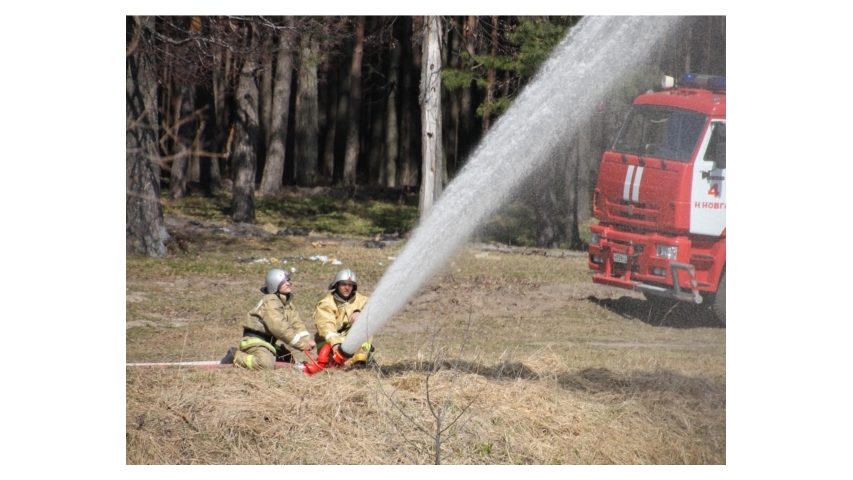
(166,159)
(137,122)
(170,132)
(136,34)
(198,40)
(411,420)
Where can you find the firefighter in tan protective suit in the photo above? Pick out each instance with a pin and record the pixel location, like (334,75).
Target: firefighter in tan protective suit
(337,311)
(273,318)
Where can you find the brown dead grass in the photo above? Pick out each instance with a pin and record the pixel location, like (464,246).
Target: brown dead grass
(550,369)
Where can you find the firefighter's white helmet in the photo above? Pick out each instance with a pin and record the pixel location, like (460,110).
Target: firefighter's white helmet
(275,278)
(345,275)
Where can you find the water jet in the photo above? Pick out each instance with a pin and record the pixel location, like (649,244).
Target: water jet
(593,57)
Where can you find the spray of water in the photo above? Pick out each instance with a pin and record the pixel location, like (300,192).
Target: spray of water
(597,52)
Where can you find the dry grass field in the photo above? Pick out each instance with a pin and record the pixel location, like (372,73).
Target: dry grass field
(500,359)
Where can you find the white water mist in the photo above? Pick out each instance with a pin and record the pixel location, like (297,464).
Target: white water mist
(597,53)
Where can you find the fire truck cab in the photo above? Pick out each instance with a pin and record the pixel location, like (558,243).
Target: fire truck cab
(660,198)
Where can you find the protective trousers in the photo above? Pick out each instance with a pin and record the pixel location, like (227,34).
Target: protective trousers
(255,354)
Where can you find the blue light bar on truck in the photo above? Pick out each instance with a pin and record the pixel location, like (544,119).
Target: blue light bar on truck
(694,80)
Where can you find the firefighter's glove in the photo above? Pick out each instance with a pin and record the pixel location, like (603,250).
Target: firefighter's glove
(338,357)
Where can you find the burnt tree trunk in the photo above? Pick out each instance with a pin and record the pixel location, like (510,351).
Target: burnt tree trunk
(145,230)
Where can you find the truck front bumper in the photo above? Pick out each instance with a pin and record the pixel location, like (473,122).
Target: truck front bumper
(627,260)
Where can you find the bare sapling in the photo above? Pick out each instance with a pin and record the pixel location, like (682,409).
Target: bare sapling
(450,419)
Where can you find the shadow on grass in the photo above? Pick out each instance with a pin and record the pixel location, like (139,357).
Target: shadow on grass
(674,315)
(589,380)
(506,371)
(602,380)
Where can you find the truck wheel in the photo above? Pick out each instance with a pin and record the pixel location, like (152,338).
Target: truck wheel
(718,306)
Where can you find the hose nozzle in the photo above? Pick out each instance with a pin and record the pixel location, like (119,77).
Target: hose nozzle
(340,357)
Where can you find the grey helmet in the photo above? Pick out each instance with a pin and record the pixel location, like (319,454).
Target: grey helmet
(275,278)
(345,275)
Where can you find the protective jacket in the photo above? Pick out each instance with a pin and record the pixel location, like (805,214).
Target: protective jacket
(333,315)
(273,318)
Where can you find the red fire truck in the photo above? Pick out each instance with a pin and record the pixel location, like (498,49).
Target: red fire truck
(661,197)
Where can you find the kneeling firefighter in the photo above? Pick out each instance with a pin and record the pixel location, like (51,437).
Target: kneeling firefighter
(334,314)
(273,318)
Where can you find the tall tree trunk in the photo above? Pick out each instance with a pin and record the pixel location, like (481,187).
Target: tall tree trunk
(185,130)
(404,165)
(431,115)
(307,121)
(194,167)
(222,108)
(588,157)
(353,132)
(265,100)
(208,165)
(388,169)
(547,204)
(451,139)
(580,194)
(145,231)
(376,145)
(327,164)
(409,124)
(342,114)
(204,147)
(444,100)
(274,167)
(246,137)
(467,107)
(490,77)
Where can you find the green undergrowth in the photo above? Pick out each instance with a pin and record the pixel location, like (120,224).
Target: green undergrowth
(321,214)
(515,225)
(365,215)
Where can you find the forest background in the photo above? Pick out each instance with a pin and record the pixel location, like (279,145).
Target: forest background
(246,106)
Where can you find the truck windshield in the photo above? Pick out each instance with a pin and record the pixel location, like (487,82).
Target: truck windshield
(661,132)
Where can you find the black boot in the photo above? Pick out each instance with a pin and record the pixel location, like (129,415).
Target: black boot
(283,355)
(229,357)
